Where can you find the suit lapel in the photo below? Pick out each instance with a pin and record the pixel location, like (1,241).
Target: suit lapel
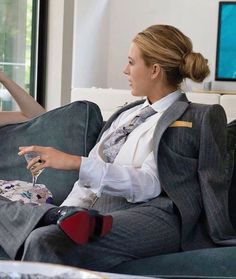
(131,105)
(169,116)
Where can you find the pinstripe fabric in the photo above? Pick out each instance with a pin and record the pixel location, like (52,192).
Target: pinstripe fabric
(17,220)
(191,168)
(131,237)
(191,164)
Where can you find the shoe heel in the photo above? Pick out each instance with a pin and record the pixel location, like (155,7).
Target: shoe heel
(83,226)
(78,227)
(107,225)
(103,225)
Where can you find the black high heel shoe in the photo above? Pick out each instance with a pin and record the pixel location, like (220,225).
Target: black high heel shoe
(83,225)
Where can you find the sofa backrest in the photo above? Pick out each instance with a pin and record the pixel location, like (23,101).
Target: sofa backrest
(109,100)
(228,102)
(73,128)
(203,98)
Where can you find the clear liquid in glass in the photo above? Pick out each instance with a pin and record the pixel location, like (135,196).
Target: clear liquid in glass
(35,174)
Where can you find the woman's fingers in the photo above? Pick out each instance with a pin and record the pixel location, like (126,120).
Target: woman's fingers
(35,164)
(52,158)
(28,149)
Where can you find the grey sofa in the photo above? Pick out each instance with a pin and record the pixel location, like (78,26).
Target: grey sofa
(74,129)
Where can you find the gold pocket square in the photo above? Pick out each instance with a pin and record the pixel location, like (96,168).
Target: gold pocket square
(179,123)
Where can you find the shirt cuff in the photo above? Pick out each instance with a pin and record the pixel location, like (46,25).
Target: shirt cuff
(91,173)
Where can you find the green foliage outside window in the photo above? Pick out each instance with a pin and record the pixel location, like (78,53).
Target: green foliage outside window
(15,39)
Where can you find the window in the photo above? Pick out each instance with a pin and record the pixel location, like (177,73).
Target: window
(19,44)
(226,42)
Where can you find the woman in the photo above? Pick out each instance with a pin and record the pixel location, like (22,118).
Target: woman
(163,182)
(29,108)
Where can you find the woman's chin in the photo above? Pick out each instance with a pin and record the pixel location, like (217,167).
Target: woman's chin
(135,93)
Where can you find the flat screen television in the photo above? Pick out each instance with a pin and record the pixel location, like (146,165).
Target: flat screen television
(226,42)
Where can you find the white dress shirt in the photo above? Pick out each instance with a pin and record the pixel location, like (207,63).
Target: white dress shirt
(132,176)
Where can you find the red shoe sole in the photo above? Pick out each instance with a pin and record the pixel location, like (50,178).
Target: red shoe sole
(107,225)
(81,225)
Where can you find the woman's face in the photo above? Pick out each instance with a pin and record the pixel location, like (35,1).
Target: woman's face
(139,75)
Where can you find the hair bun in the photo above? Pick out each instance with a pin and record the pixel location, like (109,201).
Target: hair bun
(194,66)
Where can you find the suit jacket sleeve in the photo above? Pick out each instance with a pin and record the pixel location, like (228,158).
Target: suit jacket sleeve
(213,175)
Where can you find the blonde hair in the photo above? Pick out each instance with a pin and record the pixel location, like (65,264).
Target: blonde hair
(173,51)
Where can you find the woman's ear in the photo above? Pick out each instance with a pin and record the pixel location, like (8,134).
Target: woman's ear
(156,71)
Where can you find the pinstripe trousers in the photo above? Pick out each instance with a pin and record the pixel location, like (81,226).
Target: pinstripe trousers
(139,230)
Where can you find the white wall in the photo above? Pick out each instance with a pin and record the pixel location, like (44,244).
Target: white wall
(91,37)
(103,30)
(106,41)
(197,19)
(59,53)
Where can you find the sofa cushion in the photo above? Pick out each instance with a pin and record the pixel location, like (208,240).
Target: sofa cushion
(204,263)
(73,128)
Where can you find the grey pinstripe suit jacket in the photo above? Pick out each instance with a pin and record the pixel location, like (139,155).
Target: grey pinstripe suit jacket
(191,168)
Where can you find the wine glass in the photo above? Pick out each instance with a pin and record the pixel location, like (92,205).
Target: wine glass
(35,174)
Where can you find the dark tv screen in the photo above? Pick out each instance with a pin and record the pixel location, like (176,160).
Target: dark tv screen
(226,42)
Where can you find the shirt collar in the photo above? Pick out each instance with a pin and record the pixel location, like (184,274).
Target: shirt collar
(164,102)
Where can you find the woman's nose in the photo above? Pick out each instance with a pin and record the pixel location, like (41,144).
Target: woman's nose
(125,70)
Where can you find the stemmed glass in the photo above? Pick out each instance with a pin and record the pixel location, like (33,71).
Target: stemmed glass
(35,174)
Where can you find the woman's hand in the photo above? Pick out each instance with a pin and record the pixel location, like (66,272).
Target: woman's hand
(51,158)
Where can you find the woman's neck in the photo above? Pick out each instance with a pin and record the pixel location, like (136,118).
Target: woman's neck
(159,92)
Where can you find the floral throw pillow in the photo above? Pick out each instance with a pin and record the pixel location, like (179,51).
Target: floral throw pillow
(17,190)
